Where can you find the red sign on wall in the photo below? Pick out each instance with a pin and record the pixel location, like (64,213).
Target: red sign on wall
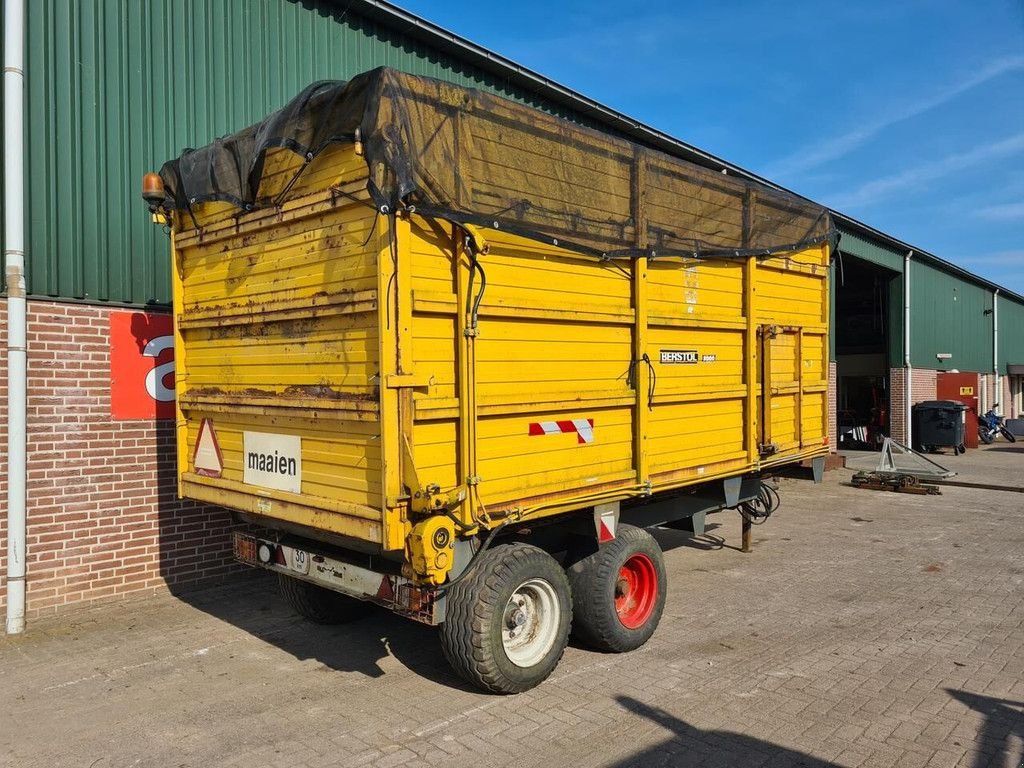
(141,366)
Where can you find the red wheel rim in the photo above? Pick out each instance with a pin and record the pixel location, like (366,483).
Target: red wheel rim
(636,591)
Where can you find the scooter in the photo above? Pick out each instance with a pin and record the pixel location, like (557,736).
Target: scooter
(990,426)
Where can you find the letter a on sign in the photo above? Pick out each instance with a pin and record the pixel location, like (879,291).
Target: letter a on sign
(207,459)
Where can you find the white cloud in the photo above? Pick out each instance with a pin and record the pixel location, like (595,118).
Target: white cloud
(880,189)
(839,146)
(1005,212)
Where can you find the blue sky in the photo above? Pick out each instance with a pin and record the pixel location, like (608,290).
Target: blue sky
(908,116)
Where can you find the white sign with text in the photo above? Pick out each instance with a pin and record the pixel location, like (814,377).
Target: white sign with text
(272,461)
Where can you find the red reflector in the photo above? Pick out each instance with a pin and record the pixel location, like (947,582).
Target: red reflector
(279,556)
(414,599)
(824,441)
(245,548)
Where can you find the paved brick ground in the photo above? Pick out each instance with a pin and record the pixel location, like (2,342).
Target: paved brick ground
(867,629)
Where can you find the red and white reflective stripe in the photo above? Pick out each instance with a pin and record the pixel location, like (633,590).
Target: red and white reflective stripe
(606,521)
(583,428)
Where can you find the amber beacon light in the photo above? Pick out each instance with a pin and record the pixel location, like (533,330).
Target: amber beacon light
(153,191)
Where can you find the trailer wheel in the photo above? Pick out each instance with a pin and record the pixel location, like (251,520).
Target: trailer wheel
(619,592)
(507,621)
(318,604)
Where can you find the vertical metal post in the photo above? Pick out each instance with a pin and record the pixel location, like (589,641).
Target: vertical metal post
(751,361)
(641,374)
(907,369)
(997,396)
(746,536)
(14,259)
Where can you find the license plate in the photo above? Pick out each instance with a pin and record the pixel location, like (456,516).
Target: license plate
(297,560)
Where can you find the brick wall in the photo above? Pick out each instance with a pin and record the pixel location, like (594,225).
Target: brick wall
(1000,394)
(833,396)
(103,513)
(923,385)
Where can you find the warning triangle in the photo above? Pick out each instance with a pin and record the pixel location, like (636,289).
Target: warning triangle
(386,591)
(207,459)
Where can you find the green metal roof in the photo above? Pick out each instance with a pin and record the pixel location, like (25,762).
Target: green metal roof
(868,250)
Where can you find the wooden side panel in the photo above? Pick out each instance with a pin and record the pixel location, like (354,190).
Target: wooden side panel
(553,345)
(555,379)
(278,326)
(792,311)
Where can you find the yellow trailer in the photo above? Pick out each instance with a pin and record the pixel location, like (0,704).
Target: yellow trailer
(435,345)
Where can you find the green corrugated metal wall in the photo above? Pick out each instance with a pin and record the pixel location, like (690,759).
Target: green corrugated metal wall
(948,315)
(854,245)
(1011,333)
(116,87)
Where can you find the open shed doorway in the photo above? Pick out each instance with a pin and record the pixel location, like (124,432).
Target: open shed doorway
(862,333)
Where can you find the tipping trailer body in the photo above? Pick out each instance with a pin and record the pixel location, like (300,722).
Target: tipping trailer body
(337,339)
(514,336)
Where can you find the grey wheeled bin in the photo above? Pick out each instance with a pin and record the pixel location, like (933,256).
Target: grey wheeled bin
(939,424)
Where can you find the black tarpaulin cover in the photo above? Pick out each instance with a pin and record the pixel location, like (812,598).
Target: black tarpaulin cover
(470,156)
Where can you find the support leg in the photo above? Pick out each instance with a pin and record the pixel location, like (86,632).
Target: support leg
(695,523)
(745,545)
(818,468)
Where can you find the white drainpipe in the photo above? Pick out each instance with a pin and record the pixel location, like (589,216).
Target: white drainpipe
(14,258)
(908,376)
(997,396)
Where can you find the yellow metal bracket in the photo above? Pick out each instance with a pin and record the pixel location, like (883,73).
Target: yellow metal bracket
(430,499)
(410,477)
(427,498)
(480,244)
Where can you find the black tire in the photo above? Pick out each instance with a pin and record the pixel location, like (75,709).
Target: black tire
(984,436)
(1007,434)
(595,580)
(473,635)
(318,604)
